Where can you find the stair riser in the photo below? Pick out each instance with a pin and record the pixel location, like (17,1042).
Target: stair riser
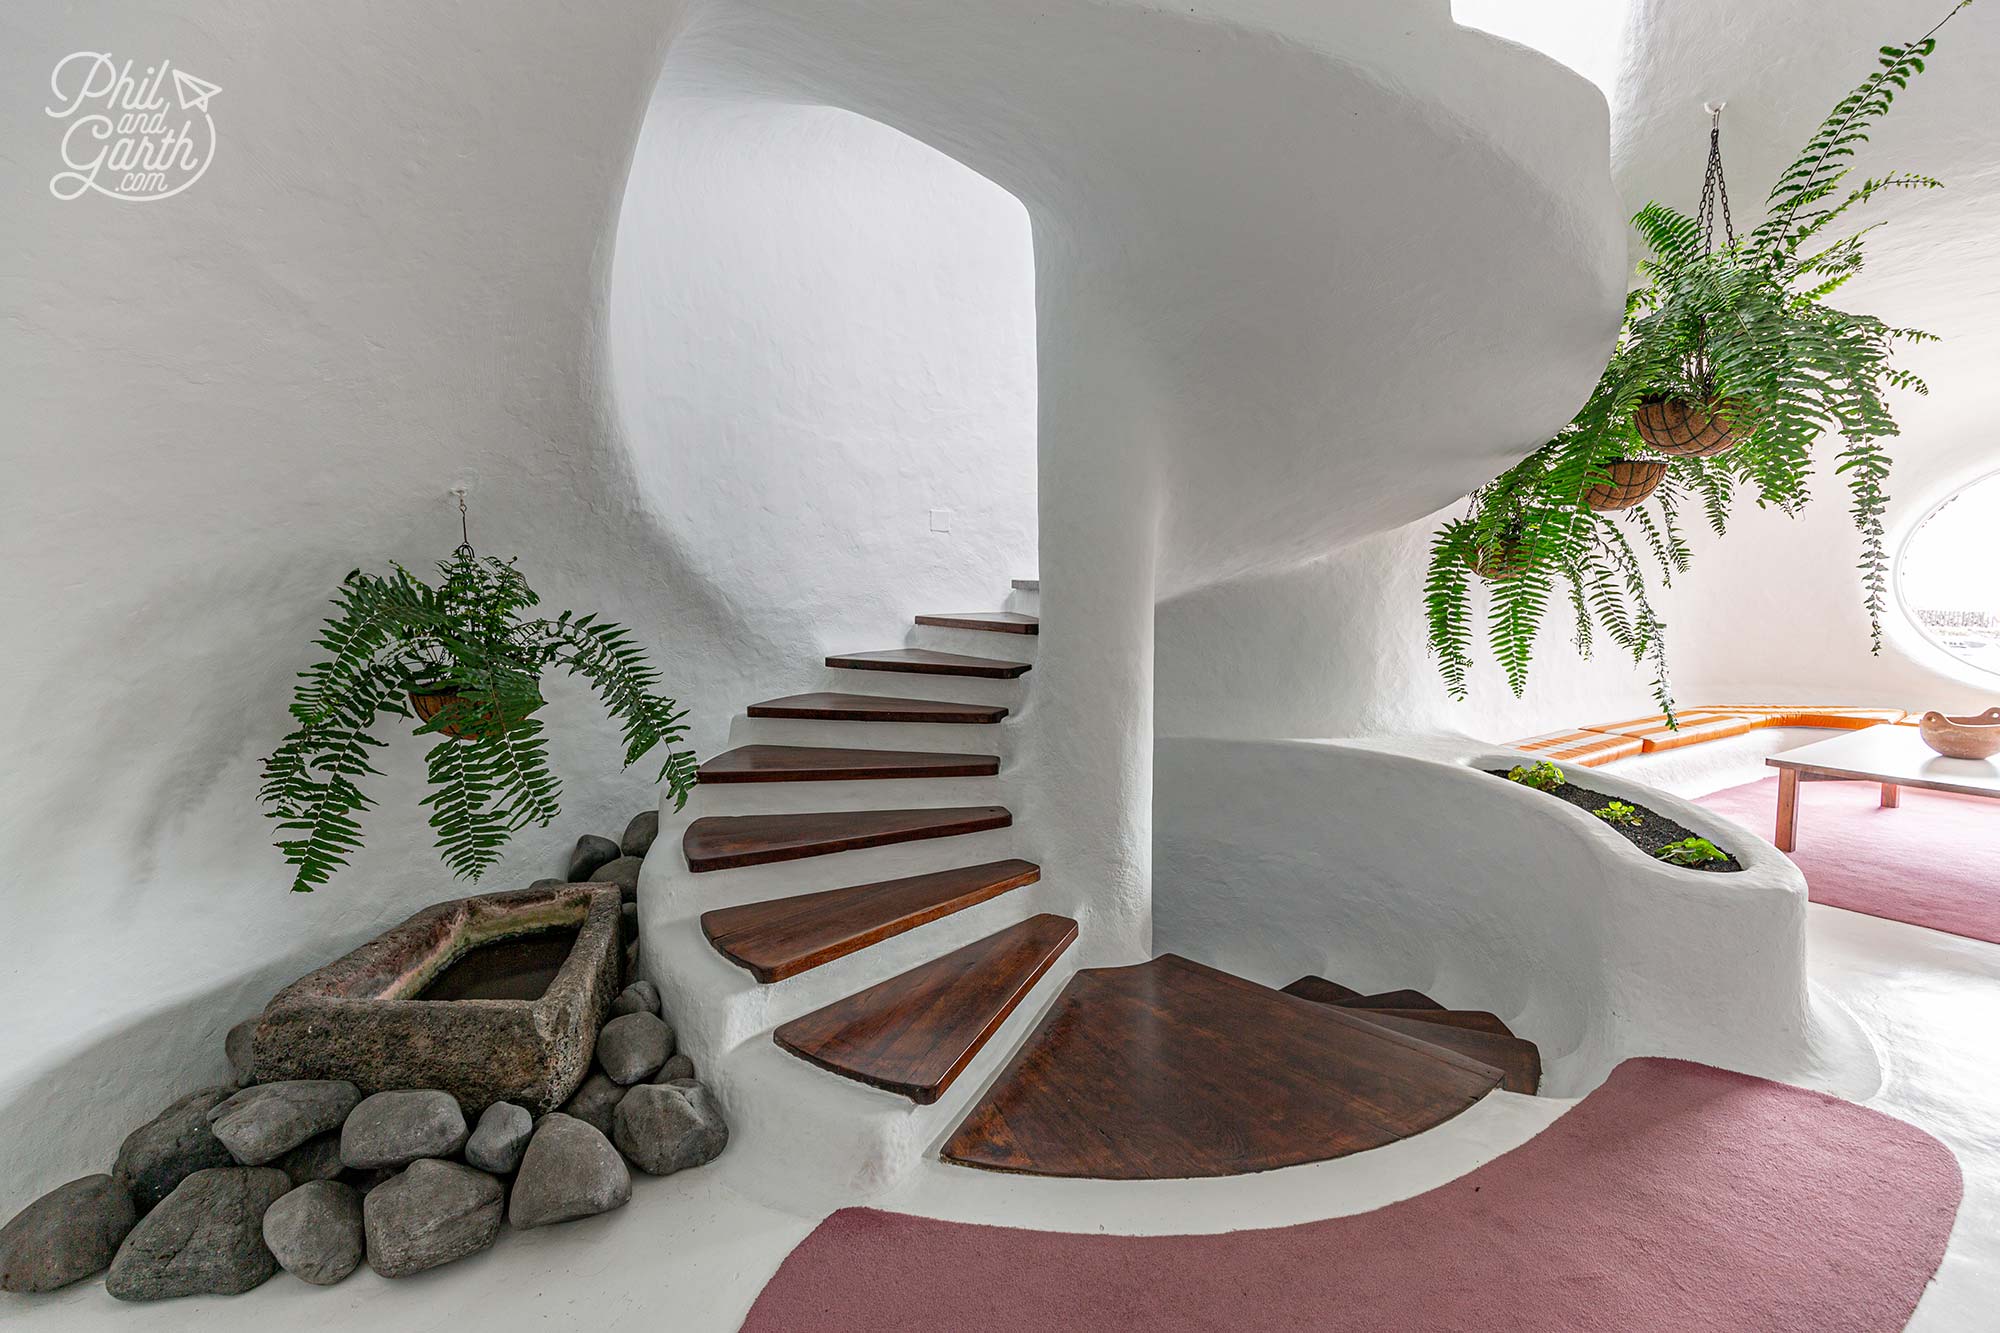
(976,642)
(782,879)
(765,798)
(794,997)
(930,737)
(1009,692)
(864,1141)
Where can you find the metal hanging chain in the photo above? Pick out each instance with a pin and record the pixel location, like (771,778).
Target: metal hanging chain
(1714,189)
(464,533)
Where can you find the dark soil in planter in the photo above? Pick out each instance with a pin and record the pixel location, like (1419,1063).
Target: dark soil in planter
(1653,832)
(520,968)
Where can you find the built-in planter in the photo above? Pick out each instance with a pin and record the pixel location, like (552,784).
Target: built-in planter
(1652,832)
(442,1001)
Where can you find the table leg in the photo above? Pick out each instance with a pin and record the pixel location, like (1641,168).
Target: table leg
(1892,796)
(1788,809)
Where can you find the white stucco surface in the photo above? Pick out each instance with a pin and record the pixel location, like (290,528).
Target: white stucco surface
(721,417)
(1399,864)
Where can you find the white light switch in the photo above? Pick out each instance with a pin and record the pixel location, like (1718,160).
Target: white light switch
(940,520)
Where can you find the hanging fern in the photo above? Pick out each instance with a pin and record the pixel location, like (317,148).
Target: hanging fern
(394,637)
(1744,324)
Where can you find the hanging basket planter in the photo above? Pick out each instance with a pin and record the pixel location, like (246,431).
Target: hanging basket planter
(429,703)
(1684,430)
(1631,480)
(1509,560)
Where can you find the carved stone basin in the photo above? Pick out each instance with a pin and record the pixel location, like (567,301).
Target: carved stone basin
(390,1014)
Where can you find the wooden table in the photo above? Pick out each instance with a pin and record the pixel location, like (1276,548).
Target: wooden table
(1894,756)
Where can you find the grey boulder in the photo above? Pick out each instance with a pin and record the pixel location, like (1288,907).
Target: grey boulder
(66,1235)
(641,997)
(170,1147)
(594,1102)
(668,1127)
(268,1120)
(501,1137)
(570,1171)
(206,1238)
(315,1159)
(396,1128)
(678,1068)
(640,833)
(591,853)
(632,1046)
(431,1214)
(315,1232)
(241,1048)
(624,872)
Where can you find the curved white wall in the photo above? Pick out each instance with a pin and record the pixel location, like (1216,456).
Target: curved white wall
(388,284)
(1400,865)
(821,331)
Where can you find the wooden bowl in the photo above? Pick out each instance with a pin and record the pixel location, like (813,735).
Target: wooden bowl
(1976,737)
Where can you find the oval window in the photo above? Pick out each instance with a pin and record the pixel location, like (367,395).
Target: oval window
(1948,579)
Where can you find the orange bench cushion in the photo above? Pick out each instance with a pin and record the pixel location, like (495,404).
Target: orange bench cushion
(1601,743)
(1655,734)
(1588,748)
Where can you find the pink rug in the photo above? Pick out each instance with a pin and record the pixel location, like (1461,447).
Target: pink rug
(1934,862)
(1675,1197)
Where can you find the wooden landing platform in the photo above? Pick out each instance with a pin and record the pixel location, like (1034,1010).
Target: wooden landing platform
(1169,1069)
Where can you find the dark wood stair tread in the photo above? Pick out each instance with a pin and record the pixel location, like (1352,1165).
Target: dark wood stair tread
(724,842)
(1518,1060)
(827,707)
(1171,1069)
(1391,999)
(1476,1020)
(1320,990)
(914,1033)
(782,937)
(924,662)
(814,763)
(1000,622)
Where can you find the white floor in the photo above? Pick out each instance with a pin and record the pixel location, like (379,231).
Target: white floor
(691,1252)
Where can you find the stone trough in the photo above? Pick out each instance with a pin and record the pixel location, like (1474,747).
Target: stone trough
(491,998)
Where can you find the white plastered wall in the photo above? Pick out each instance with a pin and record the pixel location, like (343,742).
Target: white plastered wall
(393,280)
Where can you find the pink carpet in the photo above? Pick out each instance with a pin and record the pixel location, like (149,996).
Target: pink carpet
(1934,862)
(1675,1197)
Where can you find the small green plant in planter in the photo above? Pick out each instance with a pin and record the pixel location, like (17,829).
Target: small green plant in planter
(1617,812)
(1541,775)
(1691,852)
(466,659)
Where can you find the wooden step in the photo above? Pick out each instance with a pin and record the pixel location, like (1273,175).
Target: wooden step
(1477,1020)
(1000,622)
(725,842)
(924,662)
(1391,999)
(782,937)
(874,708)
(1519,1061)
(1170,1069)
(1321,991)
(815,763)
(913,1034)
(1028,585)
